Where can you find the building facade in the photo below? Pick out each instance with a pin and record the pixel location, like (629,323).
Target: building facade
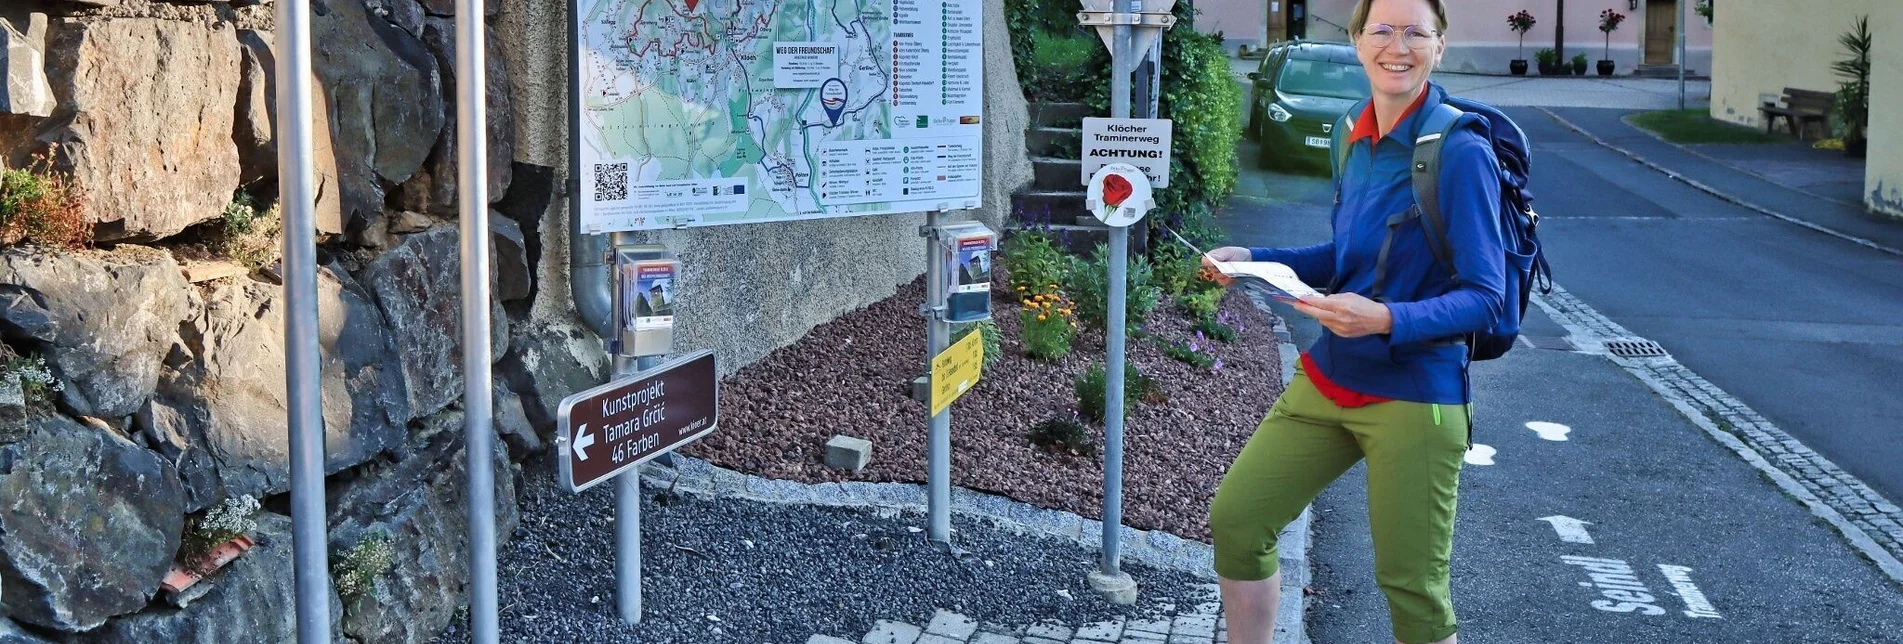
(1765,46)
(1479,40)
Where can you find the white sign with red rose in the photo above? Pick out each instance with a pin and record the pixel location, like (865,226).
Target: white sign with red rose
(1119,195)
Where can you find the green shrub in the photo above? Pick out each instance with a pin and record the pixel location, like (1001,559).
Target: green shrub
(1190,353)
(1033,262)
(1047,333)
(1853,94)
(1216,329)
(355,570)
(41,207)
(1177,268)
(1088,283)
(1204,102)
(1063,434)
(248,235)
(1201,304)
(1089,387)
(993,340)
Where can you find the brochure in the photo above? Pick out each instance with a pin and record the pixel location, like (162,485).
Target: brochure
(1274,277)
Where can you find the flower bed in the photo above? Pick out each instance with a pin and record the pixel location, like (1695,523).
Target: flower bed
(853,376)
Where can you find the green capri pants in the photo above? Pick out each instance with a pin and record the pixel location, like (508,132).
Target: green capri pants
(1414,453)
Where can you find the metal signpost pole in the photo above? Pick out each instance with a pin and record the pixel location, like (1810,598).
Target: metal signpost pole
(1683,25)
(1121,66)
(628,508)
(473,201)
(937,337)
(296,168)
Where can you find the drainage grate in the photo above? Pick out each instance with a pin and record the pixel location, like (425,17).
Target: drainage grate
(1635,349)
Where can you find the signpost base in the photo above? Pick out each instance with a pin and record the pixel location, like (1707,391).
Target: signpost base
(1119,588)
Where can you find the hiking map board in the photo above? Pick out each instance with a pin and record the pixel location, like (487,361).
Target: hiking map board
(706,112)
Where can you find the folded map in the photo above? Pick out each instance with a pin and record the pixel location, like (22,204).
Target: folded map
(1275,277)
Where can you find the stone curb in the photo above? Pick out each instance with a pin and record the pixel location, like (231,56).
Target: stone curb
(1725,196)
(1872,524)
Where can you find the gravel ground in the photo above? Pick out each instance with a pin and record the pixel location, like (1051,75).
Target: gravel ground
(852,376)
(729,570)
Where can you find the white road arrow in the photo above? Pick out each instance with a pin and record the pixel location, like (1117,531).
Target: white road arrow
(583,440)
(1570,530)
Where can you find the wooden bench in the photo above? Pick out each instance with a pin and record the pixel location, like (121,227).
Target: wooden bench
(1800,107)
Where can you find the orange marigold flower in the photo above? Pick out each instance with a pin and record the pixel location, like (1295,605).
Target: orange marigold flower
(1040,317)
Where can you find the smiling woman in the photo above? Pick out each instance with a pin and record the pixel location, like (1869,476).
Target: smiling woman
(1387,381)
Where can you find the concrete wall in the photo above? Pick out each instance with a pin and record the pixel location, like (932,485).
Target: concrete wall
(750,288)
(1748,66)
(1479,40)
(1239,21)
(1883,173)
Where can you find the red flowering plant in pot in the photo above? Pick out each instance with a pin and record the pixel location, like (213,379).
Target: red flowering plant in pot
(1608,22)
(1521,23)
(211,541)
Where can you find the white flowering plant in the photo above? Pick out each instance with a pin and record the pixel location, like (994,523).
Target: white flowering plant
(36,379)
(228,520)
(356,569)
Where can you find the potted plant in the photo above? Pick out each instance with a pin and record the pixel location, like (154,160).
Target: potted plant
(1853,95)
(1579,64)
(1608,22)
(1547,59)
(1520,23)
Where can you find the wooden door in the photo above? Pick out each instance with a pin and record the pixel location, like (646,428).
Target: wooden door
(1661,31)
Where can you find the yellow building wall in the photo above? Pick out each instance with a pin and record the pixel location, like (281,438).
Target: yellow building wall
(1883,172)
(1763,46)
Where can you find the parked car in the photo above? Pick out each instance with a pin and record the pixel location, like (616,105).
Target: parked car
(1299,91)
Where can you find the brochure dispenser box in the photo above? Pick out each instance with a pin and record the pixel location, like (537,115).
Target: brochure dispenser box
(647,295)
(966,250)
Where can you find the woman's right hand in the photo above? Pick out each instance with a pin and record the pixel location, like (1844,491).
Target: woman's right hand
(1225,254)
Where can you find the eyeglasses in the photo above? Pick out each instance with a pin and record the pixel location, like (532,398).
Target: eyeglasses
(1413,36)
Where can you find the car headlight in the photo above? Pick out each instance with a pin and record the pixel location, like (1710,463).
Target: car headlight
(1278,114)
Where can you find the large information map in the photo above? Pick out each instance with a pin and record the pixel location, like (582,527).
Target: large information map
(705,112)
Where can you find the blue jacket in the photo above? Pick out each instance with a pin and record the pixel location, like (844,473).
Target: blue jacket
(1423,359)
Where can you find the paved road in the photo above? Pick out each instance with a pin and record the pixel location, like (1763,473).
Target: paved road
(1733,293)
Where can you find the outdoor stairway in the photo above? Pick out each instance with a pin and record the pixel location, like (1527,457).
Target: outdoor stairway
(1056,196)
(1656,71)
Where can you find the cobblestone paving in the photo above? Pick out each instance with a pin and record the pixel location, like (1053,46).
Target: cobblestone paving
(1200,624)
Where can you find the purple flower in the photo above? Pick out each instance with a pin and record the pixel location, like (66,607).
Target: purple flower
(1194,347)
(1217,366)
(1199,336)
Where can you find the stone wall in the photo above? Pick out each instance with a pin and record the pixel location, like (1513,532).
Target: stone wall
(169,354)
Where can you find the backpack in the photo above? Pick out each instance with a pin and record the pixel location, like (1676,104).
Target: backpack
(1525,259)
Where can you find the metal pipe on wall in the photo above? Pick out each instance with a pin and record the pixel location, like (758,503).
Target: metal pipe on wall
(302,353)
(472,164)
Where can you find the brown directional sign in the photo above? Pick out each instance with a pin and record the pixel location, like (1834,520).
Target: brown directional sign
(608,429)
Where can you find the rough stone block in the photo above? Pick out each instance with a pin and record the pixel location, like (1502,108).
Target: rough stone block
(888,632)
(953,625)
(23,88)
(1050,630)
(1196,625)
(994,638)
(1102,631)
(12,397)
(825,639)
(929,638)
(848,453)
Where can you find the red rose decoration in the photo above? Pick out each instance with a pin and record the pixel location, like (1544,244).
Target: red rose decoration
(1115,189)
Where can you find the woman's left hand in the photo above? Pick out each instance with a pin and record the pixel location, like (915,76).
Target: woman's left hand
(1348,315)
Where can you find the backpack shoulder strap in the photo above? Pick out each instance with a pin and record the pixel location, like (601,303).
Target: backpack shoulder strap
(1436,125)
(1338,147)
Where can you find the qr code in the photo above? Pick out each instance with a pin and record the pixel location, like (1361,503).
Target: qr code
(611,181)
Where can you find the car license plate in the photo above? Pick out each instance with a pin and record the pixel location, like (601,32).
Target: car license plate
(1317,141)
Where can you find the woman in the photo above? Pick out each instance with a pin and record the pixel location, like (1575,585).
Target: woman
(1387,379)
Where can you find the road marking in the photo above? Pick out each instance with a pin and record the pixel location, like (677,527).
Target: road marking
(1695,602)
(1618,584)
(1851,518)
(1570,530)
(1480,455)
(1550,431)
